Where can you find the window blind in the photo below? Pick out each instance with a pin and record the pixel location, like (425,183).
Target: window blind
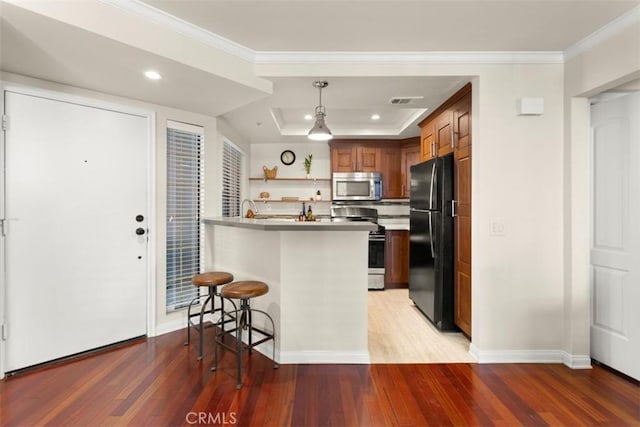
(185,177)
(231,179)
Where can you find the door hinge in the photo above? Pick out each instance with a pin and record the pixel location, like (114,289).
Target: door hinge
(5,122)
(5,332)
(3,224)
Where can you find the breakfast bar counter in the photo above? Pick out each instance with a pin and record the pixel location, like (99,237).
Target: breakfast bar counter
(317,277)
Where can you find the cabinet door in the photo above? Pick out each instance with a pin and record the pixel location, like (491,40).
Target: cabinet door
(462,222)
(343,159)
(444,133)
(428,141)
(409,156)
(462,123)
(368,159)
(391,176)
(396,256)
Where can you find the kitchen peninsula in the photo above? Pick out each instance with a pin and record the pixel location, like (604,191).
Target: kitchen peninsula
(317,277)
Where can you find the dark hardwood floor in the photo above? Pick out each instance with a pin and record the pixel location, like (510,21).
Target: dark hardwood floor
(159,382)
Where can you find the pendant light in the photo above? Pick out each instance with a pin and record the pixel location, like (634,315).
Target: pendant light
(320,131)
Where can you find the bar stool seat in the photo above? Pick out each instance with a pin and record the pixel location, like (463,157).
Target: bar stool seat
(211,280)
(244,291)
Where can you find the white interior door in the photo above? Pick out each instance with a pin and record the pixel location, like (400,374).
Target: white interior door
(615,247)
(76,271)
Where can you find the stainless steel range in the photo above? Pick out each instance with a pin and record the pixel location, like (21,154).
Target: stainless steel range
(376,239)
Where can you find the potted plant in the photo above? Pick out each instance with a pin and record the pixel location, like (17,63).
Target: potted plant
(307,164)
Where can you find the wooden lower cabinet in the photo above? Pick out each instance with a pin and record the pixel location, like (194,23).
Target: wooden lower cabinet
(396,258)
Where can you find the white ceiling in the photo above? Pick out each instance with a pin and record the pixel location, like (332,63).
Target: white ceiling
(399,25)
(37,46)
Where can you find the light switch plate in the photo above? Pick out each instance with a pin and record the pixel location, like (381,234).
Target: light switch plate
(496,228)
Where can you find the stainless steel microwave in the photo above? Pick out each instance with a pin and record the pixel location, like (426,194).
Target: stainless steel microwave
(357,186)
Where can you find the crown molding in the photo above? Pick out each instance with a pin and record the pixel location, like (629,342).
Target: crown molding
(166,20)
(480,57)
(161,18)
(628,19)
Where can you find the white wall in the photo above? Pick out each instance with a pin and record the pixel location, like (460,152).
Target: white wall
(517,175)
(269,155)
(604,61)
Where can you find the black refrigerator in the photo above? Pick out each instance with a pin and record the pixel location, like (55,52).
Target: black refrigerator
(431,246)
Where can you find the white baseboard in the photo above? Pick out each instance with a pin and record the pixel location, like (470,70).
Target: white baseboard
(530,356)
(576,361)
(286,357)
(329,357)
(171,326)
(181,323)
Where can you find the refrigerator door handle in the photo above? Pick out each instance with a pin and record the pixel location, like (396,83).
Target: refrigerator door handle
(433,176)
(433,255)
(453,208)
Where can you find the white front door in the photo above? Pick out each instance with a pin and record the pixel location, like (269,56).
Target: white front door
(76,178)
(615,242)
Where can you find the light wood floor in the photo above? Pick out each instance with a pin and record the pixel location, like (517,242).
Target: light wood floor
(399,333)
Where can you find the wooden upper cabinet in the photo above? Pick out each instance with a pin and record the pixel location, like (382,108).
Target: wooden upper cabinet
(462,123)
(391,173)
(389,157)
(343,159)
(444,133)
(427,140)
(368,159)
(355,158)
(409,156)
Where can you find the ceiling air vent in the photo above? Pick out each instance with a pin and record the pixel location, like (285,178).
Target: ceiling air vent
(405,100)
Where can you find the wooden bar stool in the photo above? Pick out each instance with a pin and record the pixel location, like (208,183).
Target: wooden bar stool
(211,280)
(244,291)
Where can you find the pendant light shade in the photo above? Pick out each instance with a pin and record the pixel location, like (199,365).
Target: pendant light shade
(320,131)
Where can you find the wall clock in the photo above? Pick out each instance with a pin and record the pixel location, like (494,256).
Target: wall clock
(287,157)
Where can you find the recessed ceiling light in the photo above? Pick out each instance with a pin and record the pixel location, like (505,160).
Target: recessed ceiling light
(308,117)
(152,75)
(375,117)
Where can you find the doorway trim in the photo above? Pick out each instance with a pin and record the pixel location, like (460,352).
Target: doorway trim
(151,191)
(577,223)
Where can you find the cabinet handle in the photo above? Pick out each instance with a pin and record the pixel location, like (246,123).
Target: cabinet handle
(453,208)
(453,145)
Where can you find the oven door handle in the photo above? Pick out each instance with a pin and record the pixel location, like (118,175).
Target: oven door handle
(376,238)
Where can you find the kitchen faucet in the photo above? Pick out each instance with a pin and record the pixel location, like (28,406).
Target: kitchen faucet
(251,203)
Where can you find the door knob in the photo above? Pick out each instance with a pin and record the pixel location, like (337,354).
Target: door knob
(139,231)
